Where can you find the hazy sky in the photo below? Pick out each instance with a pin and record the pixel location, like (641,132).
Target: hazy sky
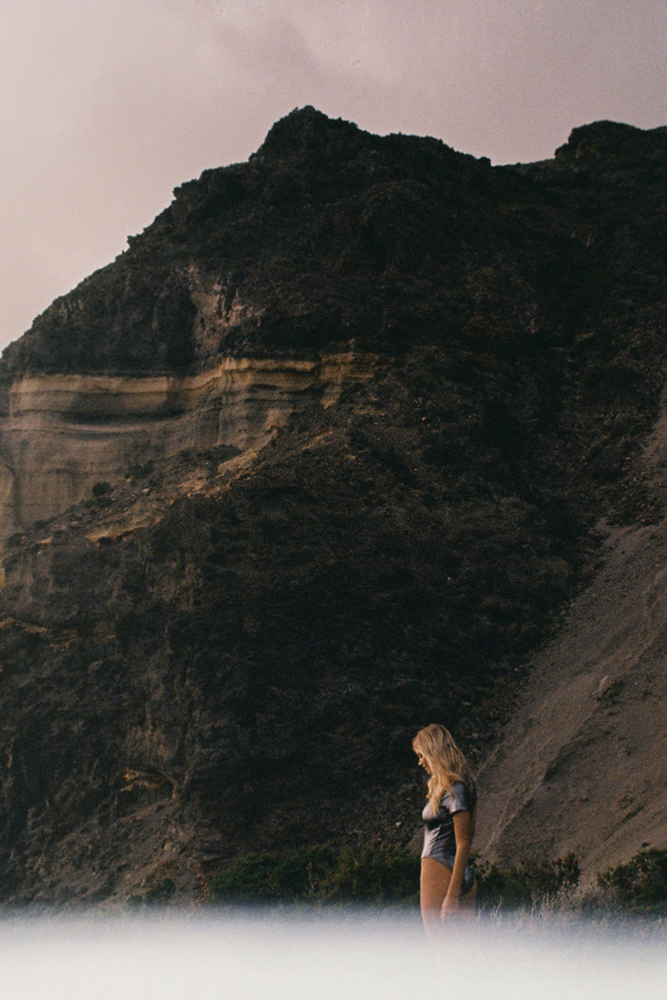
(106,105)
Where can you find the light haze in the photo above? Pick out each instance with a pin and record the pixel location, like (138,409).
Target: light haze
(105,107)
(315,957)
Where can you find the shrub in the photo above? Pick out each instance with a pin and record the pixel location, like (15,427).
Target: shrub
(99,489)
(157,895)
(137,470)
(268,876)
(641,882)
(526,884)
(15,539)
(373,874)
(161,892)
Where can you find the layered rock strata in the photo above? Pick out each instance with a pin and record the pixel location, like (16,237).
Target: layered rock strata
(62,434)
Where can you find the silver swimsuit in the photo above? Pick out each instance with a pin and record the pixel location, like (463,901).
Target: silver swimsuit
(439,837)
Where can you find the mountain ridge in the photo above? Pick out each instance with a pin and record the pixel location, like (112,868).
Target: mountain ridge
(215,633)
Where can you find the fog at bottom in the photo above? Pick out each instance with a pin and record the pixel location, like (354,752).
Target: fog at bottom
(270,955)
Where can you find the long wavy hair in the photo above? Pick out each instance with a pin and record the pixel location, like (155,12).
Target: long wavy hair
(446,762)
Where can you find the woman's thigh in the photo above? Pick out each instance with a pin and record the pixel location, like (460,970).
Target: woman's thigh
(434,883)
(435,879)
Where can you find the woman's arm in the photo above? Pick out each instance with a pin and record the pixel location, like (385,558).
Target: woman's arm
(463,831)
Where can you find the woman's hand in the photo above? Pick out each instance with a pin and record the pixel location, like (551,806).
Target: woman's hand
(463,834)
(450,907)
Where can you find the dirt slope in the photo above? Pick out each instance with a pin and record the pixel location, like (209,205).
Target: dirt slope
(582,766)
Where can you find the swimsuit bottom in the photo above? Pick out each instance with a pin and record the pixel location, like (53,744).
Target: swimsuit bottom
(448,861)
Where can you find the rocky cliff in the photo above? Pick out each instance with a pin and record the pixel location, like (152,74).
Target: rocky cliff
(322,457)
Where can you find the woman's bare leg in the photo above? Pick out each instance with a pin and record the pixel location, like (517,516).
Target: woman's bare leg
(435,879)
(434,883)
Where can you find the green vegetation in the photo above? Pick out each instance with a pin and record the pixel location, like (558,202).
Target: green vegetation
(376,874)
(527,884)
(100,489)
(641,883)
(268,876)
(158,894)
(387,874)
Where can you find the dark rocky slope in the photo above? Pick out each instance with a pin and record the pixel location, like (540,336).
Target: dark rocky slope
(218,653)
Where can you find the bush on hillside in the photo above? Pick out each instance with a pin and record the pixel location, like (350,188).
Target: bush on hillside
(641,883)
(372,874)
(526,884)
(267,876)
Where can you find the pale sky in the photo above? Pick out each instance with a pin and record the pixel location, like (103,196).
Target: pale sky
(106,105)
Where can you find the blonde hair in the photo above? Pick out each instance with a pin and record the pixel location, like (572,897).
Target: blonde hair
(446,762)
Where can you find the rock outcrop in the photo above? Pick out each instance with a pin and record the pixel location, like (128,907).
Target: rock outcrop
(322,457)
(62,434)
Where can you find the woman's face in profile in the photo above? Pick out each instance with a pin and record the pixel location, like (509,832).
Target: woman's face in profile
(422,761)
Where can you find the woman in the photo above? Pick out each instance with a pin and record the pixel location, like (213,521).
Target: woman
(447,882)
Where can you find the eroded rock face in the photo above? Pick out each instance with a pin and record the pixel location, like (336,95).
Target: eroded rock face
(61,434)
(386,392)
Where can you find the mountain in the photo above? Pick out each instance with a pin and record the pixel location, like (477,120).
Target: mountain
(325,455)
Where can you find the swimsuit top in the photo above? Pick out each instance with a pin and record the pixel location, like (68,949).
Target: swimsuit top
(439,837)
